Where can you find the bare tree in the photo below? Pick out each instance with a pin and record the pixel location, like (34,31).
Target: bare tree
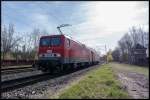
(122,45)
(15,52)
(116,54)
(23,52)
(134,35)
(35,38)
(128,45)
(129,40)
(138,36)
(27,46)
(8,40)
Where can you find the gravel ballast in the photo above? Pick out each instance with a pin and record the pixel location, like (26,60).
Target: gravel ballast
(48,88)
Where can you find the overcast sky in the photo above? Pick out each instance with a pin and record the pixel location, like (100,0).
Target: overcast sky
(93,23)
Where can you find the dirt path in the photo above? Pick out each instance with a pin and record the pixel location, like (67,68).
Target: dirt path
(135,83)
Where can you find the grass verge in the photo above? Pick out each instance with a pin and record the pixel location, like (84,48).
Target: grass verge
(99,83)
(131,68)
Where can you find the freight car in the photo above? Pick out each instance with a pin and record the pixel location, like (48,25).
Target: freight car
(59,52)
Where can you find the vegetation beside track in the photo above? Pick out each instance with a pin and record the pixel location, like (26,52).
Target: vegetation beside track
(99,83)
(130,68)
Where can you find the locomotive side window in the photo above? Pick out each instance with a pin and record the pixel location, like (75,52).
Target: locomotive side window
(55,41)
(68,43)
(45,42)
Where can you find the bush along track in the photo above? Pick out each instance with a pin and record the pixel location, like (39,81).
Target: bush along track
(97,84)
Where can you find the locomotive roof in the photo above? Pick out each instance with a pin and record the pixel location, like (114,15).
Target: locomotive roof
(69,37)
(51,35)
(91,49)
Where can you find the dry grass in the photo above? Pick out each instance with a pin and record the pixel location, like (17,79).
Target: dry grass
(131,68)
(99,83)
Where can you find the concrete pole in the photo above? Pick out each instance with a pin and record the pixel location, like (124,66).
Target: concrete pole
(106,53)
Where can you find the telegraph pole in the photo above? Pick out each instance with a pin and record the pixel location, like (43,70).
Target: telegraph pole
(106,52)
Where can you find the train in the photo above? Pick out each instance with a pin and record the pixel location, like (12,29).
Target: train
(60,52)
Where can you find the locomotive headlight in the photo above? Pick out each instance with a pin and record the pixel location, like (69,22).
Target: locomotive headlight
(58,55)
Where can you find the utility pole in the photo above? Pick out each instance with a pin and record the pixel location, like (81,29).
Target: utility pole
(106,52)
(17,54)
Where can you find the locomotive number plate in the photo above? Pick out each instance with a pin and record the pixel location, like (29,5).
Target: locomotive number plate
(48,55)
(49,51)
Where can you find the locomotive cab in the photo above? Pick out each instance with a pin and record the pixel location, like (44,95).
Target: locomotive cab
(50,52)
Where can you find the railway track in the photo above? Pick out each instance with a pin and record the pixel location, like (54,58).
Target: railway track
(16,70)
(21,82)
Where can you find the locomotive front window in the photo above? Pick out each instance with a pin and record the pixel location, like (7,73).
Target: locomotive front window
(55,41)
(45,42)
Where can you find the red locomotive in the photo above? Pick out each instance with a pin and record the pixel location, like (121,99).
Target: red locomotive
(61,52)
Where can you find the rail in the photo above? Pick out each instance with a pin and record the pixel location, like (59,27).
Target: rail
(20,82)
(15,68)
